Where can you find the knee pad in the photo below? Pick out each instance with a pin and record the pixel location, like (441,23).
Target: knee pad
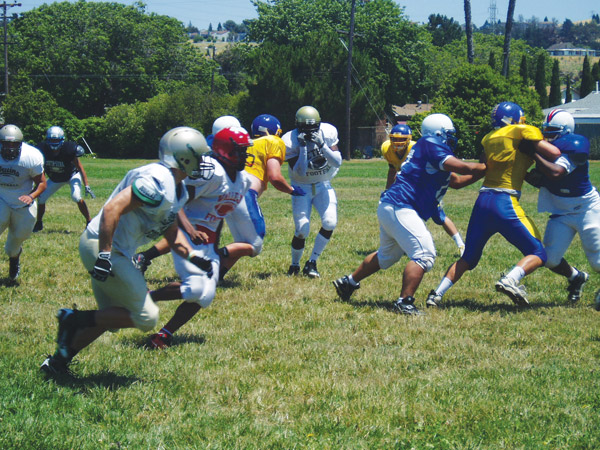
(425,262)
(76,196)
(552,261)
(326,233)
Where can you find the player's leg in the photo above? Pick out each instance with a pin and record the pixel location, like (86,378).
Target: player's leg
(21,222)
(76,184)
(301,210)
(51,188)
(325,202)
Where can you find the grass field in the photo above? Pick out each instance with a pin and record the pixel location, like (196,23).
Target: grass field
(278,362)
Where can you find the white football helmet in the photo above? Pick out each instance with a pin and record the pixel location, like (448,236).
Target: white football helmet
(558,123)
(55,137)
(224,122)
(11,139)
(185,148)
(439,125)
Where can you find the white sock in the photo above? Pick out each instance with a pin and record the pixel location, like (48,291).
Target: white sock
(297,256)
(320,243)
(517,273)
(458,240)
(351,280)
(445,284)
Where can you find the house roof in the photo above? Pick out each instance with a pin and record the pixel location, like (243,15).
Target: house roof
(587,107)
(410,109)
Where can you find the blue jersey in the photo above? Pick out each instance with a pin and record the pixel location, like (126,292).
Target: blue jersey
(422,181)
(577,182)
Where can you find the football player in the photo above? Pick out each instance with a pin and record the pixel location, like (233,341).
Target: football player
(211,200)
(314,159)
(142,207)
(21,181)
(403,209)
(508,152)
(395,150)
(265,158)
(573,203)
(62,166)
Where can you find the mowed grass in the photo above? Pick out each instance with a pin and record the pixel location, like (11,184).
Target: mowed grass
(279,362)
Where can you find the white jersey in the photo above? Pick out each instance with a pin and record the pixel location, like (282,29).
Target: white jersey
(154,185)
(16,176)
(318,168)
(215,198)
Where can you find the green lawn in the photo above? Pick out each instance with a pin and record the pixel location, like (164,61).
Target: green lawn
(278,362)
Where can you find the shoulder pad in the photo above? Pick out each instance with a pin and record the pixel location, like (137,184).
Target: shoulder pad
(330,133)
(147,191)
(80,151)
(574,146)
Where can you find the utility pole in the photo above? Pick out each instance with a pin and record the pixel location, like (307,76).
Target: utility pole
(5,6)
(349,81)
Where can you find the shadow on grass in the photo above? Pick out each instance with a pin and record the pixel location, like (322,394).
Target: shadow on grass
(46,231)
(163,280)
(105,379)
(178,339)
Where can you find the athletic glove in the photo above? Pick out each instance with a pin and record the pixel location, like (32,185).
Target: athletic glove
(302,138)
(316,137)
(201,262)
(88,191)
(297,191)
(103,267)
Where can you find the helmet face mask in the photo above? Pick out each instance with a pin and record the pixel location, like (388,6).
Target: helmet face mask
(264,125)
(229,147)
(55,137)
(308,119)
(185,148)
(507,113)
(400,137)
(558,123)
(11,140)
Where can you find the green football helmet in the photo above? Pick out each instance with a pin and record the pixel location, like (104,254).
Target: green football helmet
(11,139)
(307,119)
(185,148)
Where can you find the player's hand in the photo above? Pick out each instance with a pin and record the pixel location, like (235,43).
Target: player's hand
(297,191)
(88,191)
(103,267)
(302,138)
(202,263)
(27,199)
(316,137)
(198,237)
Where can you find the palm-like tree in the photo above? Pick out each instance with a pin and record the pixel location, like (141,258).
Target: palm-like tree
(507,35)
(469,31)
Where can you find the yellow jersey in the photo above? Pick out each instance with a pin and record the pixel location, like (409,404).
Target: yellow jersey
(392,157)
(264,148)
(506,165)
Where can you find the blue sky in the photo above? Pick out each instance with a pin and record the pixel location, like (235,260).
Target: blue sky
(203,12)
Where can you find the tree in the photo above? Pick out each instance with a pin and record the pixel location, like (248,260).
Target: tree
(540,80)
(469,31)
(555,97)
(595,72)
(587,85)
(104,54)
(566,31)
(568,93)
(507,36)
(219,27)
(492,60)
(210,28)
(443,29)
(524,70)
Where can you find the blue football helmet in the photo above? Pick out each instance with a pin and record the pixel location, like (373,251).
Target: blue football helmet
(55,137)
(558,123)
(400,137)
(507,113)
(266,124)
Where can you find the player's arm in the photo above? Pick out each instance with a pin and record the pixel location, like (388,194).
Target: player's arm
(179,245)
(391,176)
(40,186)
(471,172)
(549,169)
(332,154)
(79,166)
(122,203)
(276,178)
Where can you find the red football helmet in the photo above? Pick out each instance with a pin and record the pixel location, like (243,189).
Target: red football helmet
(229,147)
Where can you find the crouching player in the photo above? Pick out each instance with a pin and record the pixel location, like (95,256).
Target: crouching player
(573,203)
(142,207)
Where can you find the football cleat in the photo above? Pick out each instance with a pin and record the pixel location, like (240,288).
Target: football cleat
(140,262)
(406,306)
(66,330)
(293,270)
(39,226)
(344,288)
(310,269)
(509,287)
(14,268)
(575,287)
(55,366)
(433,300)
(161,340)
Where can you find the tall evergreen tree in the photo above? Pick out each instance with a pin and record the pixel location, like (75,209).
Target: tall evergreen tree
(587,85)
(595,73)
(210,27)
(555,97)
(524,70)
(568,93)
(540,80)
